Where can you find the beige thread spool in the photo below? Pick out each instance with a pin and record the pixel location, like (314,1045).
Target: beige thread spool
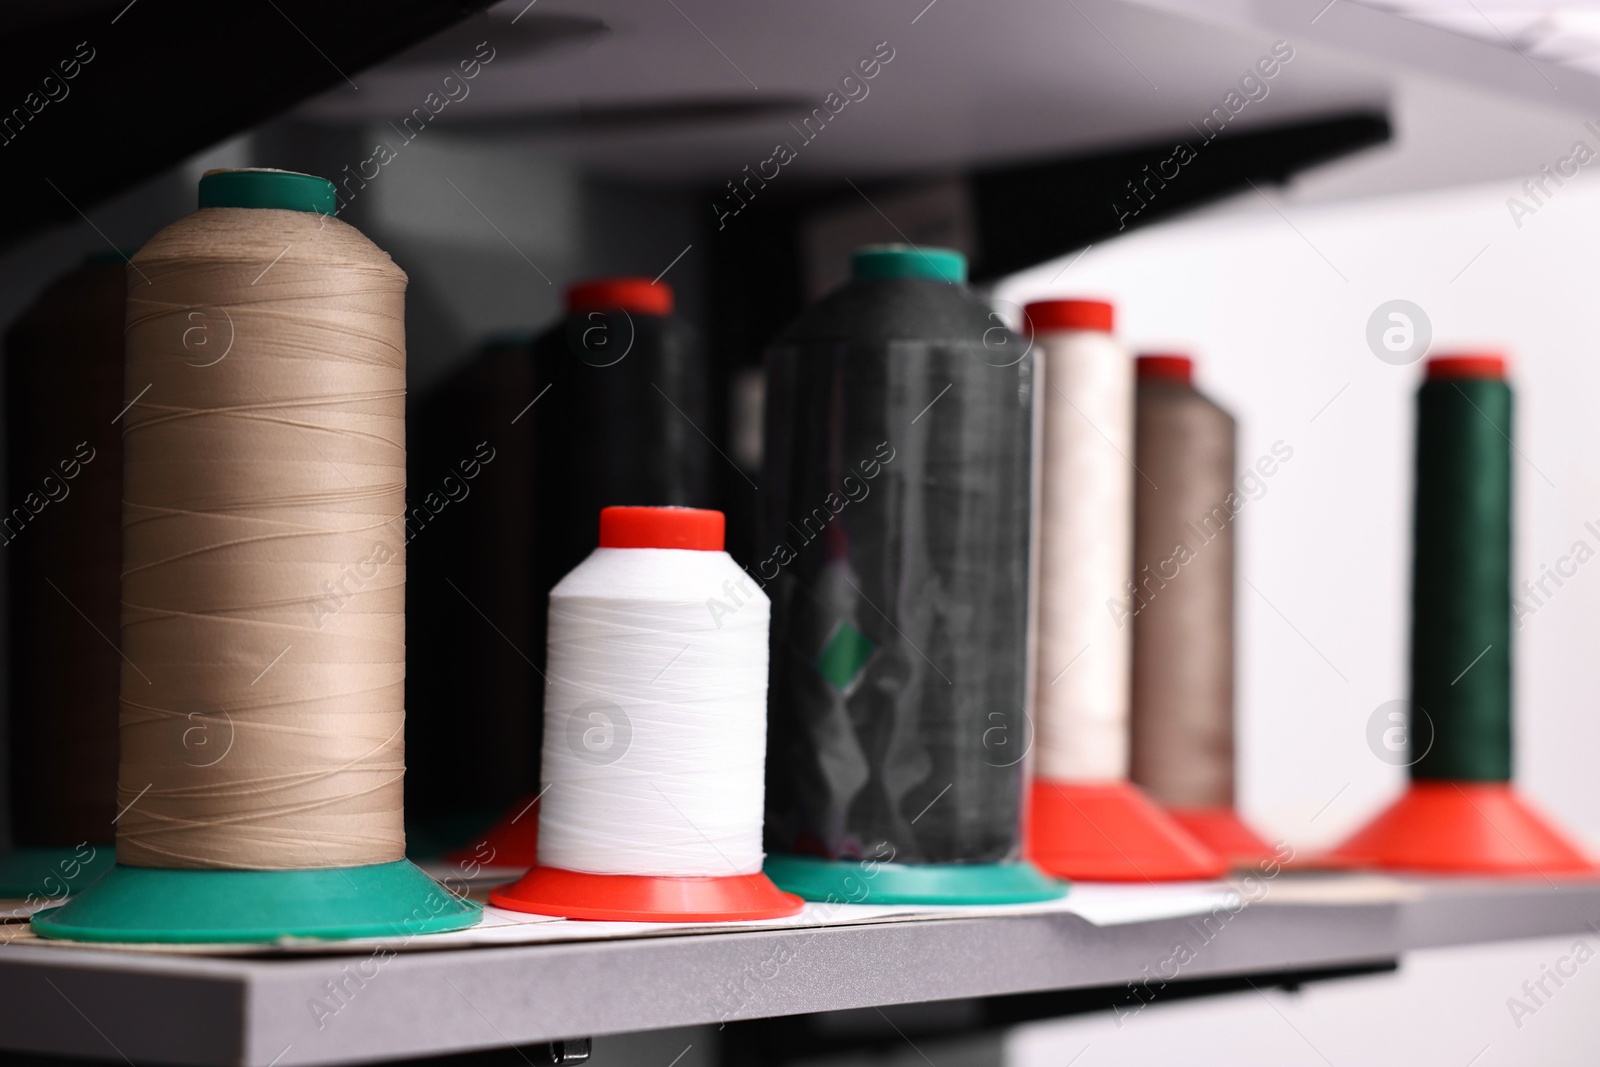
(1183,744)
(262,710)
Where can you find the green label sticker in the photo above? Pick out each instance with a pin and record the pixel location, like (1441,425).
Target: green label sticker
(845,656)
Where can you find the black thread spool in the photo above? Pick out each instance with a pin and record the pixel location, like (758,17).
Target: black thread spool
(625,417)
(896,498)
(619,412)
(471,611)
(62,533)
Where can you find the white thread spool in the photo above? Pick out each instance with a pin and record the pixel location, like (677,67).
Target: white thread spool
(1081,684)
(655,706)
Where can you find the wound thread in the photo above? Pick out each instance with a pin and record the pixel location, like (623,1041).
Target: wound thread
(1461,567)
(1081,676)
(263,589)
(1183,556)
(655,709)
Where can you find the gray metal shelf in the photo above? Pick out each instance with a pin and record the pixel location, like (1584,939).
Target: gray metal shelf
(256,1012)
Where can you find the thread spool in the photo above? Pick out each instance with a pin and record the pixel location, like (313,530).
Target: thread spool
(63,543)
(624,406)
(472,613)
(655,731)
(1183,632)
(249,476)
(1086,820)
(896,509)
(1460,813)
(627,407)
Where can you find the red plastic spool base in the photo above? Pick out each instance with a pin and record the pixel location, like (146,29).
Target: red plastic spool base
(1463,828)
(1223,832)
(1112,832)
(511,842)
(638,898)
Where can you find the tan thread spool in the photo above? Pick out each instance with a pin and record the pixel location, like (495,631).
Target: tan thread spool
(1183,744)
(63,543)
(252,481)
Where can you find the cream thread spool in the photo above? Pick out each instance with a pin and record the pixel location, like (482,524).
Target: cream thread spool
(255,470)
(655,731)
(1085,551)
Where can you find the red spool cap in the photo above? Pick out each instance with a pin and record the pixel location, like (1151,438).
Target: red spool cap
(639,296)
(699,529)
(1166,367)
(1045,315)
(1468,365)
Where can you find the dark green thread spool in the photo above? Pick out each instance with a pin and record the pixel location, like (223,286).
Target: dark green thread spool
(1461,592)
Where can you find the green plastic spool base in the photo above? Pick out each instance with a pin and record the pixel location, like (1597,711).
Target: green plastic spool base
(864,882)
(151,904)
(46,873)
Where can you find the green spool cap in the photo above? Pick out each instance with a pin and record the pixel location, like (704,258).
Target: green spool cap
(870,882)
(1461,586)
(879,262)
(285,190)
(154,904)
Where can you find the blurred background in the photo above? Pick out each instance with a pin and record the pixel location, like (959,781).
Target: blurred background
(1426,152)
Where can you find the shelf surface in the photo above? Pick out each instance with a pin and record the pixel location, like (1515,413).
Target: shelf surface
(378,1005)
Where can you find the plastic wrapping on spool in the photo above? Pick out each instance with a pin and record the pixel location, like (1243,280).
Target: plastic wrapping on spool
(1183,573)
(470,523)
(62,534)
(895,552)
